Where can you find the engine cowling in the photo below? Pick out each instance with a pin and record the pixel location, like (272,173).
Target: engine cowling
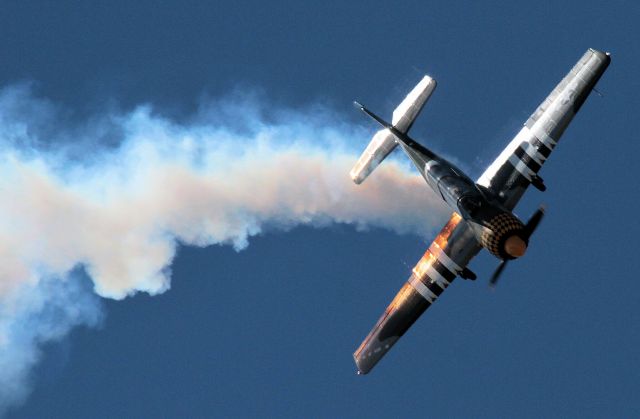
(504,236)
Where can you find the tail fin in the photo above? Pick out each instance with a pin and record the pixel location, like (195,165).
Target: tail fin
(384,141)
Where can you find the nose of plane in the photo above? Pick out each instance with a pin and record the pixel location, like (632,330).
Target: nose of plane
(515,246)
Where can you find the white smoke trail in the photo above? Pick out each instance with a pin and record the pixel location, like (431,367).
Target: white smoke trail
(118,211)
(39,313)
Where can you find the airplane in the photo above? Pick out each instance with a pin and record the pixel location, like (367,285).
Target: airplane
(482,210)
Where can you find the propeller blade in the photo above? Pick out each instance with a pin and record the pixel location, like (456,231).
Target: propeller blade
(529,228)
(533,222)
(496,275)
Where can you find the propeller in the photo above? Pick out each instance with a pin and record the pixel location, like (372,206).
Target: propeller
(533,222)
(497,273)
(529,228)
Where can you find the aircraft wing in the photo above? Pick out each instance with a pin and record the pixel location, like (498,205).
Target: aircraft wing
(518,164)
(447,256)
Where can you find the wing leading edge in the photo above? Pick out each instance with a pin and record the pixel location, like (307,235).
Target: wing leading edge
(447,256)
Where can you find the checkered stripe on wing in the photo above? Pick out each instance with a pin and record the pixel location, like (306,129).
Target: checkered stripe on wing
(498,229)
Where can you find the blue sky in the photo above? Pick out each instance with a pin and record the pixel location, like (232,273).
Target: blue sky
(269,330)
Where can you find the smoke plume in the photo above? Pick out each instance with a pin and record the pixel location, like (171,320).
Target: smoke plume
(112,196)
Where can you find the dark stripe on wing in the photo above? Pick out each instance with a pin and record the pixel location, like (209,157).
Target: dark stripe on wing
(527,159)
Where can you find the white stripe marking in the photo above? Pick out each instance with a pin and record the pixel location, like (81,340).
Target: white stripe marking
(436,277)
(521,167)
(422,289)
(523,135)
(533,153)
(543,136)
(444,258)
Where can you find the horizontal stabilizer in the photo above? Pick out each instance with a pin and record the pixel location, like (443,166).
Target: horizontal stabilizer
(384,142)
(410,108)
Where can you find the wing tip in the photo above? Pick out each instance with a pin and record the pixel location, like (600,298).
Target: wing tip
(360,370)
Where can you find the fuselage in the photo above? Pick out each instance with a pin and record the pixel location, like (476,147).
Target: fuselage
(496,228)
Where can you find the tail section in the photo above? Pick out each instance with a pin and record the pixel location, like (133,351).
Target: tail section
(384,141)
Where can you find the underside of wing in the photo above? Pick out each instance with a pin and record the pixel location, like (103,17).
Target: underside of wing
(447,256)
(518,164)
